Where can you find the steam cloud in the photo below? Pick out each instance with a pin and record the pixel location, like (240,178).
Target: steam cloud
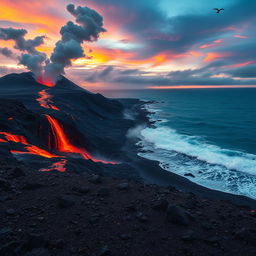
(69,47)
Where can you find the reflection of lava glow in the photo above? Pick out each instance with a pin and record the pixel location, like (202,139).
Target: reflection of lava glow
(44,100)
(64,145)
(31,149)
(58,166)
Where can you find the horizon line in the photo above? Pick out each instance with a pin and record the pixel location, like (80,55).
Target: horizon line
(177,87)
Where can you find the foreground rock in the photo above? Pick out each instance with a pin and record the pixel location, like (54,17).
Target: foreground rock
(64,214)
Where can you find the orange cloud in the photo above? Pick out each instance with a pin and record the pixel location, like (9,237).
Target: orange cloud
(239,65)
(211,56)
(214,43)
(195,53)
(240,36)
(31,12)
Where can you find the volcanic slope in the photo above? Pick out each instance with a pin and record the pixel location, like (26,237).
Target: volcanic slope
(62,126)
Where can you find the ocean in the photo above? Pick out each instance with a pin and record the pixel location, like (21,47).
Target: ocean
(206,135)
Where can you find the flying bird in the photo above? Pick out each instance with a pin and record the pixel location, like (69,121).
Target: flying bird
(218,10)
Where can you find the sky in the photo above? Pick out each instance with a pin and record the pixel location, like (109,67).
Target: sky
(147,43)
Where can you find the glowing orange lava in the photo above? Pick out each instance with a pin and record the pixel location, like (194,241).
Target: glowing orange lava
(58,166)
(2,140)
(45,81)
(15,138)
(44,100)
(63,144)
(31,149)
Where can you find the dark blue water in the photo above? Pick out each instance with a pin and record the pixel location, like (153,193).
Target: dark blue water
(210,133)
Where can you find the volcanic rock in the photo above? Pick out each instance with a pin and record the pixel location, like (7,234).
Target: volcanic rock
(177,215)
(81,189)
(66,201)
(103,192)
(38,252)
(123,186)
(161,205)
(95,179)
(10,212)
(246,234)
(105,251)
(141,217)
(31,185)
(17,172)
(4,184)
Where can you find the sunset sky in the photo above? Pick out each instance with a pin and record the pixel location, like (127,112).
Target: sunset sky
(148,42)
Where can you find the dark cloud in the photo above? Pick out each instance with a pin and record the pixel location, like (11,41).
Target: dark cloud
(209,75)
(31,58)
(18,36)
(6,52)
(243,72)
(178,34)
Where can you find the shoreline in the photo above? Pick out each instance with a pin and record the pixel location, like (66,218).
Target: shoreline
(152,173)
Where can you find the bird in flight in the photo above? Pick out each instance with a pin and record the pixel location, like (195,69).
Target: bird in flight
(218,10)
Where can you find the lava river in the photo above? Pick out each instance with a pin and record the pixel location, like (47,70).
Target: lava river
(45,101)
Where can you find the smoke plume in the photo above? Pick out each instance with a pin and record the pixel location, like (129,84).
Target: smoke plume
(89,25)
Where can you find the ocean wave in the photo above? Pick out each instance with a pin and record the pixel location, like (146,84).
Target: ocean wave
(168,139)
(214,167)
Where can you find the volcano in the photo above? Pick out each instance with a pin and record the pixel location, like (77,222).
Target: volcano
(59,127)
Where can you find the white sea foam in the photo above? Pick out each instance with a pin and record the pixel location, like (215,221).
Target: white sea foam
(169,139)
(213,167)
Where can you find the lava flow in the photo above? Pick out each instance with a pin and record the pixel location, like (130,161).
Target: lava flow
(31,149)
(58,166)
(34,150)
(45,101)
(15,138)
(63,144)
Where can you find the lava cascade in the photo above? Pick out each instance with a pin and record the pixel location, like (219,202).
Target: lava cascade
(64,145)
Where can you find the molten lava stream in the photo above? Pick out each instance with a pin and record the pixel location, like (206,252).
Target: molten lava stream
(15,138)
(58,166)
(45,101)
(31,149)
(64,145)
